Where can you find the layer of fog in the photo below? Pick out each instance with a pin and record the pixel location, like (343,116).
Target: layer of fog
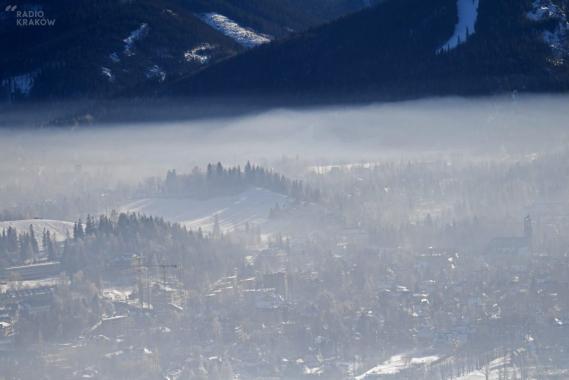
(492,127)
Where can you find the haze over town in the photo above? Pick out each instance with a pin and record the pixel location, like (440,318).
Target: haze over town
(412,240)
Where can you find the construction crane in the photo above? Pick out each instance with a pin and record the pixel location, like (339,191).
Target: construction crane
(139,266)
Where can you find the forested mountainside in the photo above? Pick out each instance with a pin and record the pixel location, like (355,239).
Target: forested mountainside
(280,17)
(108,48)
(408,48)
(103,48)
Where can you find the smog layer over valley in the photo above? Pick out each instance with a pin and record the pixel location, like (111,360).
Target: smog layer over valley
(295,190)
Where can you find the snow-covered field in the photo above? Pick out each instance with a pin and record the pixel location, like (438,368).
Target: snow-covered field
(243,36)
(58,228)
(251,206)
(467,16)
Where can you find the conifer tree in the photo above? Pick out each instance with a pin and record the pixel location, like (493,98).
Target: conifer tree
(33,242)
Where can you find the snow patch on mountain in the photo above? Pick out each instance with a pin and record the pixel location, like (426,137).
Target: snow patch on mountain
(244,36)
(21,84)
(199,54)
(135,35)
(543,10)
(465,27)
(107,73)
(155,72)
(557,38)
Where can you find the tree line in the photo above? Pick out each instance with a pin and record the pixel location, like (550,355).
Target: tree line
(218,180)
(101,247)
(20,248)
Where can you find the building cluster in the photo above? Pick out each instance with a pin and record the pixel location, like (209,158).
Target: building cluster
(303,309)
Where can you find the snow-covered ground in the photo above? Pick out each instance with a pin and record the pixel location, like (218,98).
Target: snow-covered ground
(244,36)
(396,364)
(466,25)
(251,206)
(58,228)
(325,169)
(476,375)
(30,284)
(497,369)
(118,293)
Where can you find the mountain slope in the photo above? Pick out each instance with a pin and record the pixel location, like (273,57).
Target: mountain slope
(115,47)
(103,48)
(407,48)
(280,17)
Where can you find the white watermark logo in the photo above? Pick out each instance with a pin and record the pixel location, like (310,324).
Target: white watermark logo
(33,17)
